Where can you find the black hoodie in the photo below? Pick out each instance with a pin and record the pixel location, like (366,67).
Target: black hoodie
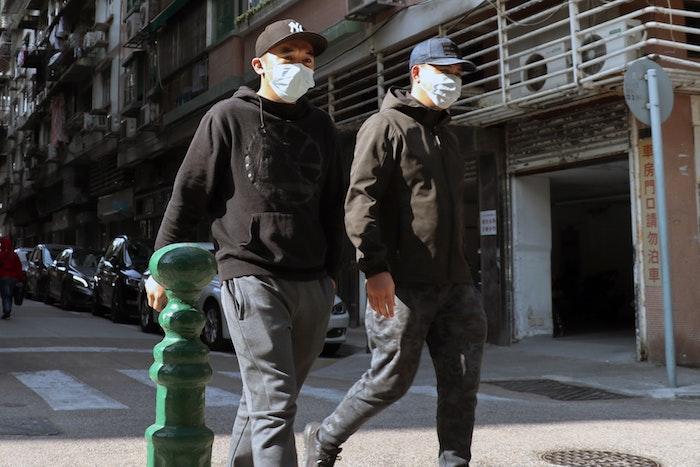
(267,176)
(404,210)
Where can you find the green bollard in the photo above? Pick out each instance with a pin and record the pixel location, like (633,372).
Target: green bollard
(181,369)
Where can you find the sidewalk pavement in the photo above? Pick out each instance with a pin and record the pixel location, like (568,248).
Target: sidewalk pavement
(603,361)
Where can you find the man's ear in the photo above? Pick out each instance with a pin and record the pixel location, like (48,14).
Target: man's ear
(415,72)
(257,65)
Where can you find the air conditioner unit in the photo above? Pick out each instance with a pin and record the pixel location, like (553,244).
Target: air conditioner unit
(540,74)
(149,113)
(133,26)
(128,127)
(360,10)
(94,39)
(615,39)
(95,122)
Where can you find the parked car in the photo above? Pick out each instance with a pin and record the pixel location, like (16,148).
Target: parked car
(71,277)
(215,333)
(40,259)
(118,276)
(23,254)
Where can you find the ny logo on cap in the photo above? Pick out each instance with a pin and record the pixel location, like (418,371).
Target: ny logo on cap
(295,27)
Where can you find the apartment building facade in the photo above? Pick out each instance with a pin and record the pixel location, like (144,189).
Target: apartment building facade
(563,235)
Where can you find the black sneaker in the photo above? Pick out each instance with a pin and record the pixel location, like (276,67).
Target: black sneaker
(314,455)
(6,316)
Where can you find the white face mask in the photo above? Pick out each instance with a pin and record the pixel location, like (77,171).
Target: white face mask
(290,81)
(441,88)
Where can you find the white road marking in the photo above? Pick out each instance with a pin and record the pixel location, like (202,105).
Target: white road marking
(334,395)
(72,349)
(63,392)
(214,397)
(331,395)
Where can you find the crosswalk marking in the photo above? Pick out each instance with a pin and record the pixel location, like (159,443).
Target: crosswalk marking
(63,392)
(334,395)
(214,397)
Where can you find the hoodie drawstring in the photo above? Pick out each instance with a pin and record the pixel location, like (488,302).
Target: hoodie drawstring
(262,118)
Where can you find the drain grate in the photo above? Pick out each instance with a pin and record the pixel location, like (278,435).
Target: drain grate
(556,390)
(580,458)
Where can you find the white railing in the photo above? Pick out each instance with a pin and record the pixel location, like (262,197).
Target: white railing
(531,57)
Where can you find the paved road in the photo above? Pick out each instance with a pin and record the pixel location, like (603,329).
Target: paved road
(74,391)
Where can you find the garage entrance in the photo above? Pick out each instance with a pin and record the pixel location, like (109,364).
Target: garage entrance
(573,251)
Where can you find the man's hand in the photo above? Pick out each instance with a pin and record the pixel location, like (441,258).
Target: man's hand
(156,295)
(380,293)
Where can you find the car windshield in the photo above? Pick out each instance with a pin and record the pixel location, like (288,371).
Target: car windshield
(53,253)
(85,261)
(23,257)
(137,254)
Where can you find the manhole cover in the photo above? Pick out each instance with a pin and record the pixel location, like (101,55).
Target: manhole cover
(556,390)
(27,427)
(580,458)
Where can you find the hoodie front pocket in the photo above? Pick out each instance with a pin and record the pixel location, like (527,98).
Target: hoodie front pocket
(281,239)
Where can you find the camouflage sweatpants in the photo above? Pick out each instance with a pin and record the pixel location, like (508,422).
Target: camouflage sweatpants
(451,320)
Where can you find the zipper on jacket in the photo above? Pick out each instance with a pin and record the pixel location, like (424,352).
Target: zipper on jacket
(436,135)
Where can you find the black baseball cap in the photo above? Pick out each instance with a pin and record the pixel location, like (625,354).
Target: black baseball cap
(284,30)
(439,51)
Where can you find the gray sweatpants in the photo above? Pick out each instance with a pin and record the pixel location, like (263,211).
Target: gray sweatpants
(278,328)
(452,322)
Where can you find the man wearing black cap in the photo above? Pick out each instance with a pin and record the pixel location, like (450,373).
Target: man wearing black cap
(404,214)
(262,168)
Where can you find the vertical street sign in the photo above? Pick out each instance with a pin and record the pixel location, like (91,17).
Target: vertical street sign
(649,95)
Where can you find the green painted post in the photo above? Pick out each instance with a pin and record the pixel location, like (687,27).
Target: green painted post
(181,369)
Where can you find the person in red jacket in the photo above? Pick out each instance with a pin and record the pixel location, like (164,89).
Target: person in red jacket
(10,273)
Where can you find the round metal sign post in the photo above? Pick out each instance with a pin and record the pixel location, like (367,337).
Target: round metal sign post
(649,95)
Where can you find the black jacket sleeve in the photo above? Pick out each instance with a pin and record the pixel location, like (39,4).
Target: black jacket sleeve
(331,207)
(372,168)
(195,182)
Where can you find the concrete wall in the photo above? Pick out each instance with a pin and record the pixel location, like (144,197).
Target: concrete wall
(532,246)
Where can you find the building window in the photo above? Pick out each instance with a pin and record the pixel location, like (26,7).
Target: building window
(224,18)
(184,40)
(106,84)
(132,5)
(133,81)
(692,39)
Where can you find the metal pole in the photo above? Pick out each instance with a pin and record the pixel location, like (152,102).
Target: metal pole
(657,143)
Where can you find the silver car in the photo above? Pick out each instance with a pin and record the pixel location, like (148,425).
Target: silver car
(215,333)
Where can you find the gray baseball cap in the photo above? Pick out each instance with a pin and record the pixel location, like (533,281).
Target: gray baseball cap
(439,51)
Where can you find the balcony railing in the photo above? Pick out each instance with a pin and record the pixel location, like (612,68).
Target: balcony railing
(533,55)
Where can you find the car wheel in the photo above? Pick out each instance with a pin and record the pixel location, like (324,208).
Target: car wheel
(65,297)
(147,319)
(212,334)
(117,308)
(330,350)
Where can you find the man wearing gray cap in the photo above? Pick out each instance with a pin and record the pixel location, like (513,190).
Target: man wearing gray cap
(404,214)
(262,168)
